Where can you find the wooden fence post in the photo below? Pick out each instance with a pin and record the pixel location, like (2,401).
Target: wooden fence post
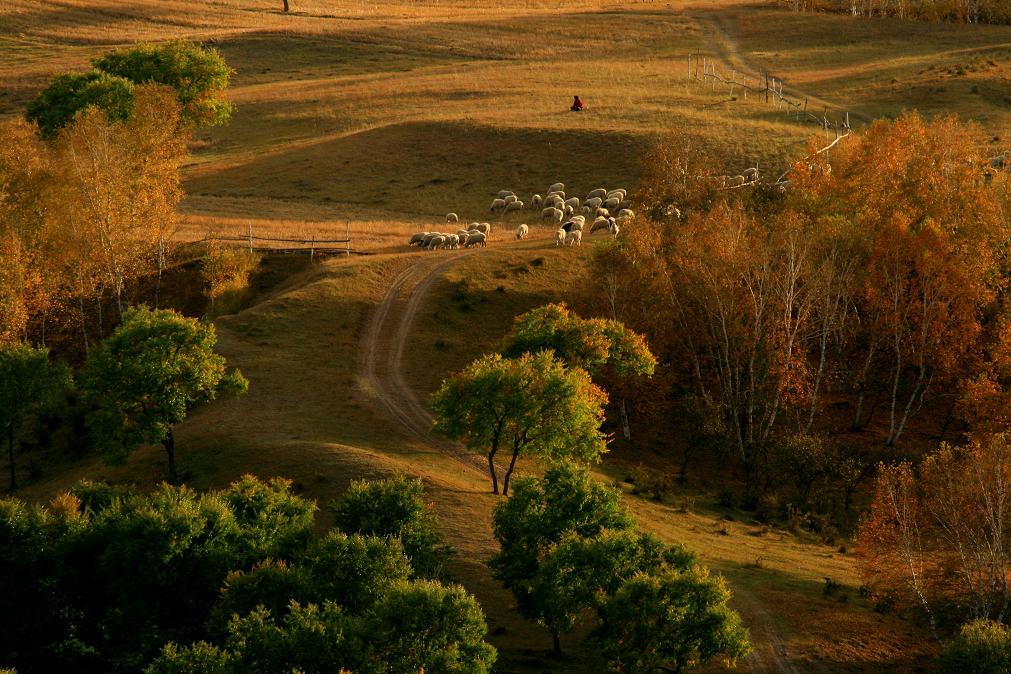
(249,234)
(312,249)
(347,235)
(766,86)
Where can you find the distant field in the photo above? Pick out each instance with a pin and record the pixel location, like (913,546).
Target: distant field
(402,111)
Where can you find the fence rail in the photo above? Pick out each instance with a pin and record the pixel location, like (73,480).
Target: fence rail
(311,246)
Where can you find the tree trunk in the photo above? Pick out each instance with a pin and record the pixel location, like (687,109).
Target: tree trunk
(285,5)
(10,453)
(512,464)
(170,448)
(556,644)
(491,469)
(624,422)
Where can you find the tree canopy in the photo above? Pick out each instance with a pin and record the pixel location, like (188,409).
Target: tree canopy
(29,382)
(529,404)
(198,76)
(154,368)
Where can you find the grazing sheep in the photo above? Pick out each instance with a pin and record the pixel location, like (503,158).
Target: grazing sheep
(557,187)
(473,225)
(477,239)
(555,214)
(594,202)
(521,232)
(602,212)
(452,241)
(598,193)
(510,198)
(626,213)
(504,193)
(497,205)
(482,227)
(620,193)
(554,201)
(573,202)
(556,194)
(624,206)
(586,210)
(437,241)
(568,210)
(452,217)
(427,239)
(614,229)
(536,200)
(574,238)
(560,237)
(599,224)
(514,206)
(416,239)
(462,236)
(574,226)
(611,202)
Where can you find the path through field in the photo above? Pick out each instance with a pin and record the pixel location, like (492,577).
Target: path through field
(380,369)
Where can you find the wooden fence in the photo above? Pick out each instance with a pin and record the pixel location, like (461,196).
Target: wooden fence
(771,91)
(311,246)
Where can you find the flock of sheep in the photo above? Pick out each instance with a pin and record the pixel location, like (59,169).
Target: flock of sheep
(598,204)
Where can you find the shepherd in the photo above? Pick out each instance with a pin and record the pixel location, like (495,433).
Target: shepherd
(577,105)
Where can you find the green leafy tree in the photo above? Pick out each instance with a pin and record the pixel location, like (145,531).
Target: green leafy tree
(530,404)
(275,522)
(425,626)
(198,75)
(395,507)
(150,372)
(70,93)
(356,571)
(580,573)
(589,343)
(670,622)
(200,658)
(29,383)
(981,646)
(539,514)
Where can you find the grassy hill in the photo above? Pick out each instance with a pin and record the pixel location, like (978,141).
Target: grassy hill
(381,116)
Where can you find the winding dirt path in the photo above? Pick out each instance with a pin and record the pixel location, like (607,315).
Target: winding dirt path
(380,370)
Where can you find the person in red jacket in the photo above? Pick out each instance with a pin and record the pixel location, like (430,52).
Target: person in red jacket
(577,104)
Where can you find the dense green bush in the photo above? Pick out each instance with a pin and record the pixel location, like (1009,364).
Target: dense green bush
(70,93)
(981,647)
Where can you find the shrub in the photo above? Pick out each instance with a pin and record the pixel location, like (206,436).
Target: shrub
(981,647)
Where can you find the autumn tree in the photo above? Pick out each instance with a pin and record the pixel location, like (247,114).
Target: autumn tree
(937,536)
(529,404)
(146,378)
(29,382)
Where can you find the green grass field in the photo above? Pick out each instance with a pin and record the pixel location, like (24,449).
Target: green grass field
(380,117)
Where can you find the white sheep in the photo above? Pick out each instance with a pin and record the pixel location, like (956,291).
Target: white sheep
(514,206)
(574,225)
(477,239)
(497,205)
(626,213)
(536,200)
(521,232)
(594,202)
(427,239)
(602,212)
(560,237)
(556,194)
(551,213)
(620,193)
(614,229)
(417,238)
(462,236)
(568,210)
(554,201)
(611,202)
(452,240)
(504,193)
(452,217)
(574,202)
(586,210)
(510,198)
(598,193)
(482,227)
(557,187)
(574,238)
(437,241)
(600,223)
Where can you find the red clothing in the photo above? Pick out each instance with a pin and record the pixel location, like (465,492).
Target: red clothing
(576,104)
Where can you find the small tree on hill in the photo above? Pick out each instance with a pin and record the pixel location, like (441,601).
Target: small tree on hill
(669,622)
(28,383)
(539,514)
(71,93)
(529,404)
(150,372)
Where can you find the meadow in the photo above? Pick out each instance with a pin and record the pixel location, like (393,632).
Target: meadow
(380,116)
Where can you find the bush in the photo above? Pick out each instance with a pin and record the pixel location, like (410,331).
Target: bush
(651,483)
(70,93)
(395,508)
(981,647)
